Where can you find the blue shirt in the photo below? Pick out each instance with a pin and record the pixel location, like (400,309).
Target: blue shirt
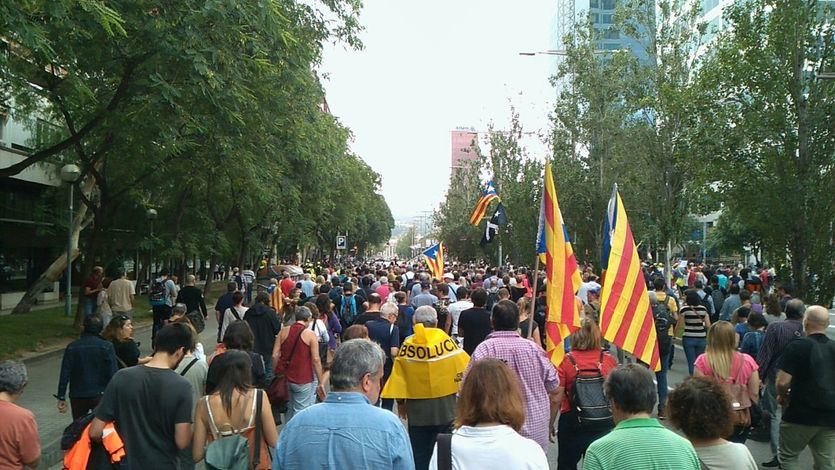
(345,431)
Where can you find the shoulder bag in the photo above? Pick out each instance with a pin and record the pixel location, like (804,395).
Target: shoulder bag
(278,391)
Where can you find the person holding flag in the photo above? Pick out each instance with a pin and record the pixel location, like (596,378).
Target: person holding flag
(626,317)
(561,272)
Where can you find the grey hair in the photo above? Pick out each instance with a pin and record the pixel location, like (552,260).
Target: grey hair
(180,308)
(427,316)
(13,377)
(303,313)
(389,308)
(653,298)
(352,360)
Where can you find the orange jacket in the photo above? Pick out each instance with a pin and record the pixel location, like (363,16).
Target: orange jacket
(76,458)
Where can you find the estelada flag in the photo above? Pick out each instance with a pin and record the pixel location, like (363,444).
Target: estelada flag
(434,257)
(429,365)
(625,313)
(561,272)
(484,201)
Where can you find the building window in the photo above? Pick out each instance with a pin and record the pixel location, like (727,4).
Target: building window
(608,4)
(611,33)
(594,3)
(606,18)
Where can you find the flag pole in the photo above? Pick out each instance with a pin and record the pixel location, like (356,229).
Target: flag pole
(533,298)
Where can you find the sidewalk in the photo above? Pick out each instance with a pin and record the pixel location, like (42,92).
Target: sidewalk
(44,372)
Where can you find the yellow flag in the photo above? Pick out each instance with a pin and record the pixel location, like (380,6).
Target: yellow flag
(429,365)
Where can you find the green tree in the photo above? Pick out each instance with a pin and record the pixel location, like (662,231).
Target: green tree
(770,120)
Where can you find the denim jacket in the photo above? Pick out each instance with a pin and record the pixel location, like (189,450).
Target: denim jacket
(345,431)
(89,363)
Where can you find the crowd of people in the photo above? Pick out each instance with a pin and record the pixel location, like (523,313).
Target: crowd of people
(314,353)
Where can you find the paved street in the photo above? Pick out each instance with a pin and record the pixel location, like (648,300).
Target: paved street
(43,383)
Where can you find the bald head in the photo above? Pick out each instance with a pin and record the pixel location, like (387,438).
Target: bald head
(816,320)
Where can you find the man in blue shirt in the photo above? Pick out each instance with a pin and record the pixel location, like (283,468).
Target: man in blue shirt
(346,430)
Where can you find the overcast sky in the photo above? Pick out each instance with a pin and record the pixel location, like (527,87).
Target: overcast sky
(428,67)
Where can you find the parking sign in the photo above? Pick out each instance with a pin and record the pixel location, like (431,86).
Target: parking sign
(341,242)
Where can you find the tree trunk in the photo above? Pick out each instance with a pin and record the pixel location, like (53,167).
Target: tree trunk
(93,248)
(210,274)
(59,266)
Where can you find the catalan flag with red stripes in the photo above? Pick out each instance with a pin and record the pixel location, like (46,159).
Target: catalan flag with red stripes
(434,257)
(484,201)
(625,313)
(561,272)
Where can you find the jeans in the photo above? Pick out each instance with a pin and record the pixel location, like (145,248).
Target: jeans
(248,294)
(573,442)
(775,413)
(161,315)
(661,376)
(423,440)
(89,306)
(693,347)
(301,396)
(796,437)
(268,369)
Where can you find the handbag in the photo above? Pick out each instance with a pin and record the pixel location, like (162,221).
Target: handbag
(278,392)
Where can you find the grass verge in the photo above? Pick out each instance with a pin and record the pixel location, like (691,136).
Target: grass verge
(40,329)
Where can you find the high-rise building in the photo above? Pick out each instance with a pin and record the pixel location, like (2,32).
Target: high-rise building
(569,13)
(464,141)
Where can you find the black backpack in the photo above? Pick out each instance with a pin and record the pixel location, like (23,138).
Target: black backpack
(197,320)
(157,294)
(663,320)
(588,399)
(707,305)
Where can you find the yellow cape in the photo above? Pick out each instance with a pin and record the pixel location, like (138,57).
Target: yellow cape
(429,365)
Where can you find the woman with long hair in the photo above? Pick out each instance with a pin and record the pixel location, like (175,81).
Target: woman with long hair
(701,408)
(120,332)
(232,410)
(695,321)
(772,311)
(586,354)
(733,370)
(487,430)
(326,312)
(525,320)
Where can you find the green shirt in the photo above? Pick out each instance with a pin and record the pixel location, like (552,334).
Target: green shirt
(641,443)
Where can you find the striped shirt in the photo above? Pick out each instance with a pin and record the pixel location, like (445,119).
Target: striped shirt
(694,326)
(641,443)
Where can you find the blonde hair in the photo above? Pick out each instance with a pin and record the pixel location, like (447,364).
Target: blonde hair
(721,348)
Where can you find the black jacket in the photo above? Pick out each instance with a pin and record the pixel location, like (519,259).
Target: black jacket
(265,324)
(193,298)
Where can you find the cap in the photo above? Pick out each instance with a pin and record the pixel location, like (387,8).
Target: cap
(447,275)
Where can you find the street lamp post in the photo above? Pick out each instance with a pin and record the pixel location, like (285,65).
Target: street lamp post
(69,175)
(152,215)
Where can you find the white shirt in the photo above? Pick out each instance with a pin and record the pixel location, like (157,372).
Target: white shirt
(321,331)
(455,310)
(499,447)
(229,318)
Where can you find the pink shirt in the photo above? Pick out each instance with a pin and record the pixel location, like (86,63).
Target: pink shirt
(537,376)
(383,291)
(748,364)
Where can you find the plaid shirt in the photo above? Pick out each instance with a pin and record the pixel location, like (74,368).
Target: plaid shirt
(777,337)
(537,376)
